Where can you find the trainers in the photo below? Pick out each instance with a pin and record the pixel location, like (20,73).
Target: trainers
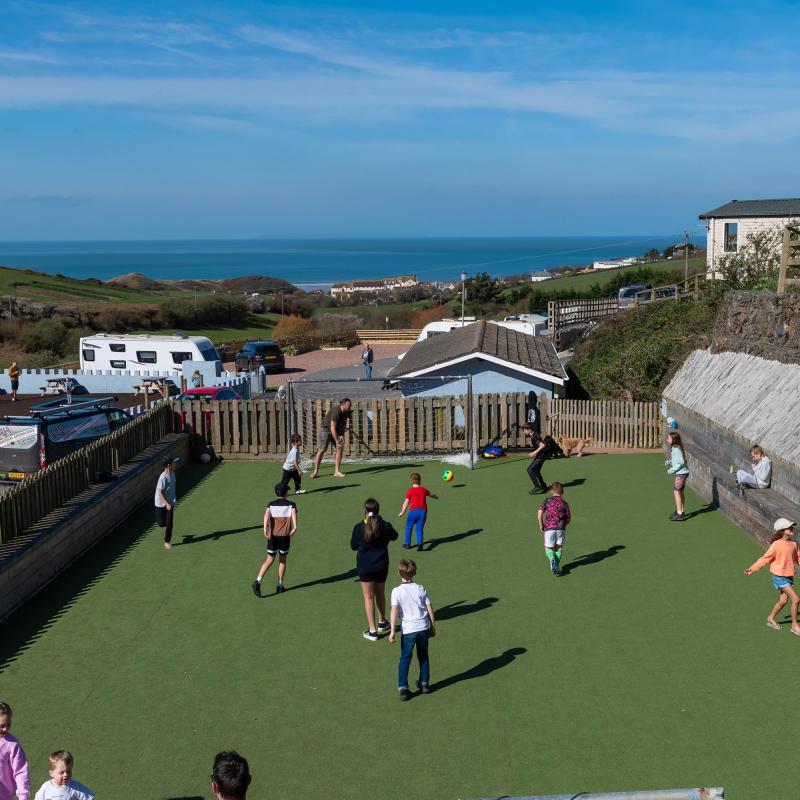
(257,588)
(280,589)
(419,547)
(425,688)
(537,491)
(299,491)
(384,627)
(404,694)
(406,547)
(370,636)
(676,517)
(740,487)
(554,566)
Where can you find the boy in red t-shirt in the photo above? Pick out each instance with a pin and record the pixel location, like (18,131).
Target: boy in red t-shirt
(416,503)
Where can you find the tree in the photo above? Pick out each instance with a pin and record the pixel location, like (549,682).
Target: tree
(483,292)
(425,315)
(756,263)
(652,254)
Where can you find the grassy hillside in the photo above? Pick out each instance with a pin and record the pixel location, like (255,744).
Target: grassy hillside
(583,282)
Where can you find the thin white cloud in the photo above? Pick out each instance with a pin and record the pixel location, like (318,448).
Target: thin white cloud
(27,58)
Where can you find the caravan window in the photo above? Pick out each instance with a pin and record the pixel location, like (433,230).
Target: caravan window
(179,358)
(209,354)
(146,356)
(117,365)
(88,354)
(117,348)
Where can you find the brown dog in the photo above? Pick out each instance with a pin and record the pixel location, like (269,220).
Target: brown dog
(568,445)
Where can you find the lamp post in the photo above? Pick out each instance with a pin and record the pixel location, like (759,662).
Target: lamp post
(463,293)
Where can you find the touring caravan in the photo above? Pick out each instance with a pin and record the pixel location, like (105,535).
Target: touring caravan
(144,352)
(532,324)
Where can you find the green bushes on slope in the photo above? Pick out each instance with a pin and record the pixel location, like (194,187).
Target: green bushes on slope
(632,355)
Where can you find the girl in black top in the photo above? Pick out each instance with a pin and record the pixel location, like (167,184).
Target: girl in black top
(371,541)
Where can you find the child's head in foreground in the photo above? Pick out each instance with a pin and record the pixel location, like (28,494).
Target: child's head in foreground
(557,488)
(296,440)
(407,569)
(61,767)
(416,478)
(5,719)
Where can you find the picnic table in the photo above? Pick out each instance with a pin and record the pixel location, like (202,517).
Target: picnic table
(65,386)
(152,385)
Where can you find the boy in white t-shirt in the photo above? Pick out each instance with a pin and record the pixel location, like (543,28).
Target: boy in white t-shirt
(291,467)
(416,614)
(61,786)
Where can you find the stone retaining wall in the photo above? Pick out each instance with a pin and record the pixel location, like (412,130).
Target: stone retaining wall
(31,561)
(761,324)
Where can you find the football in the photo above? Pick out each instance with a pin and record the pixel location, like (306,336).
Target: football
(447,475)
(205,458)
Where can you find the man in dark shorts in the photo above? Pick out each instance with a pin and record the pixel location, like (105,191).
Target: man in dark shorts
(280,524)
(332,434)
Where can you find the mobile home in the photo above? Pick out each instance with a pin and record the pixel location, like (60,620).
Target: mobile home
(143,352)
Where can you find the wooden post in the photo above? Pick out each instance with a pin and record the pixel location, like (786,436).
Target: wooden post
(787,239)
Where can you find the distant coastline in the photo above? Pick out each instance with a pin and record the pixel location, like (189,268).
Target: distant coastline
(316,263)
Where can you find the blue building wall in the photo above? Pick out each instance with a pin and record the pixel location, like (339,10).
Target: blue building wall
(486,377)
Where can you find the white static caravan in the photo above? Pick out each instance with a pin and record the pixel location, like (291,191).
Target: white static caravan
(532,324)
(144,352)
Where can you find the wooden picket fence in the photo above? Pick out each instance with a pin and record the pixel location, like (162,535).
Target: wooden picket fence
(389,426)
(49,489)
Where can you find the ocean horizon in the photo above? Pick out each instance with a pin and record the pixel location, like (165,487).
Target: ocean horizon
(317,263)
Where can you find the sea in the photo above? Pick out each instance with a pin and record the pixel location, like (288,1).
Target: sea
(317,263)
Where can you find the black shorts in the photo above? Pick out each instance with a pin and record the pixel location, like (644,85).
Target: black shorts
(278,544)
(14,385)
(373,577)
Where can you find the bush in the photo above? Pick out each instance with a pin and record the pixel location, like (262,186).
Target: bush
(46,334)
(425,315)
(119,319)
(47,358)
(293,325)
(207,311)
(337,323)
(633,355)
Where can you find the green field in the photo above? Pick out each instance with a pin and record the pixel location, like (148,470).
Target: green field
(644,667)
(256,326)
(584,282)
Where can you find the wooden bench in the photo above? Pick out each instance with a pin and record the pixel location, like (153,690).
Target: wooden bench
(755,510)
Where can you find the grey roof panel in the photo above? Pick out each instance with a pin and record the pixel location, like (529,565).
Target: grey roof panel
(756,208)
(517,348)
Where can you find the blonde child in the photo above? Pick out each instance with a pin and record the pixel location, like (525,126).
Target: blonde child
(411,603)
(291,467)
(417,505)
(61,786)
(14,780)
(782,555)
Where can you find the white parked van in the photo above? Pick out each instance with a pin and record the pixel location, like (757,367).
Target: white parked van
(144,352)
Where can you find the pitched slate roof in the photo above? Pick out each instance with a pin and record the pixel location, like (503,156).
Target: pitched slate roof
(756,208)
(515,348)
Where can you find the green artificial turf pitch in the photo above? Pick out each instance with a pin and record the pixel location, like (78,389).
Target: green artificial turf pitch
(647,666)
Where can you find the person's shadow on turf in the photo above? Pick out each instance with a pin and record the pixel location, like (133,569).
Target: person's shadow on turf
(191,539)
(342,576)
(462,608)
(456,537)
(574,482)
(591,558)
(485,667)
(336,488)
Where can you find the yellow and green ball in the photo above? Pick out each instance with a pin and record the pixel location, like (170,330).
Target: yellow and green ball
(447,475)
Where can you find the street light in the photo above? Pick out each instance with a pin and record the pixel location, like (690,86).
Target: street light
(463,292)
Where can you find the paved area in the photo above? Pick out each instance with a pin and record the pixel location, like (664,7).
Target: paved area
(318,360)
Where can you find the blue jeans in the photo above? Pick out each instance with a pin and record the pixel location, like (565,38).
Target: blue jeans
(407,643)
(416,517)
(368,370)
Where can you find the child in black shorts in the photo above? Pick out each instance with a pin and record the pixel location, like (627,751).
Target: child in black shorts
(280,524)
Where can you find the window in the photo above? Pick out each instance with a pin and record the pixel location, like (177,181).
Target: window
(210,354)
(88,354)
(179,358)
(117,365)
(117,418)
(117,348)
(731,237)
(146,356)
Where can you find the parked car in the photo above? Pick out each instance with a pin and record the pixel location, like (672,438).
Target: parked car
(254,355)
(53,430)
(627,294)
(209,393)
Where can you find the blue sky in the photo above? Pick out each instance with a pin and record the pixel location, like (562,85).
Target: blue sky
(193,120)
